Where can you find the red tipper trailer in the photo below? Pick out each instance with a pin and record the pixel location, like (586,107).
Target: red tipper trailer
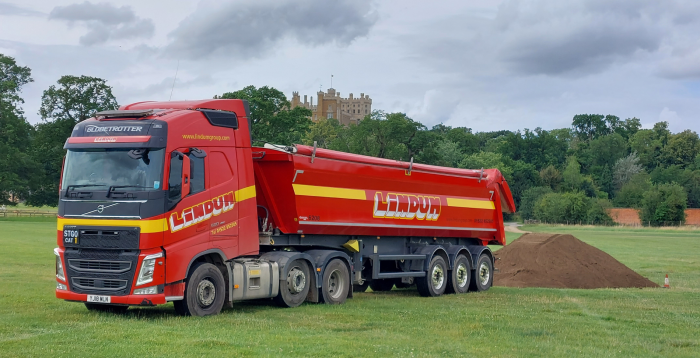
(168,201)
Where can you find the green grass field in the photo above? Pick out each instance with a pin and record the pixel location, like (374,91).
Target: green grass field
(505,322)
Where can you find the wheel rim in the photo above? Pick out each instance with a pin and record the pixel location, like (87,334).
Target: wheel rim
(484,274)
(462,275)
(438,277)
(336,284)
(296,280)
(206,293)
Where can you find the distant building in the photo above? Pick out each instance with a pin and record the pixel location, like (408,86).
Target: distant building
(331,105)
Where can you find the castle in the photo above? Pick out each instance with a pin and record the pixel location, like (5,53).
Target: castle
(347,111)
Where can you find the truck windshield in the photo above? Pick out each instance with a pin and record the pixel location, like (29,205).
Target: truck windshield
(99,169)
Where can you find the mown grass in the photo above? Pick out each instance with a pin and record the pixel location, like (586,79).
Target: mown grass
(505,322)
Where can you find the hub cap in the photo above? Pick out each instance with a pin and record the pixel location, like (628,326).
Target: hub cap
(484,274)
(296,280)
(462,275)
(206,293)
(438,277)
(336,284)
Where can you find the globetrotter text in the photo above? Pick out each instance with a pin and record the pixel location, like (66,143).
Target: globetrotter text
(407,206)
(202,211)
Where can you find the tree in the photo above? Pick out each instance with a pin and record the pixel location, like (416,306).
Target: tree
(598,212)
(385,135)
(72,100)
(562,208)
(539,147)
(273,119)
(529,199)
(486,160)
(17,169)
(590,126)
(681,149)
(551,177)
(664,205)
(524,176)
(631,193)
(323,132)
(626,168)
(572,175)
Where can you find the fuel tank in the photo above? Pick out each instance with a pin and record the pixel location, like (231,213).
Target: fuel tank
(306,190)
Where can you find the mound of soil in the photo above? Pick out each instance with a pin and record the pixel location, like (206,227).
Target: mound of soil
(561,261)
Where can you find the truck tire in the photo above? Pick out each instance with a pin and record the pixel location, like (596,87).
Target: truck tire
(381,285)
(460,276)
(435,282)
(482,276)
(295,288)
(205,292)
(105,308)
(336,283)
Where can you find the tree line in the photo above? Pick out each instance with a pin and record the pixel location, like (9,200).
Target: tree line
(572,174)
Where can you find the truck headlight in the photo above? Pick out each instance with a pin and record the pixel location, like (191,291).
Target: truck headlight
(59,266)
(147,268)
(60,286)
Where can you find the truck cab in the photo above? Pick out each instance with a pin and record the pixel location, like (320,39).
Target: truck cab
(148,190)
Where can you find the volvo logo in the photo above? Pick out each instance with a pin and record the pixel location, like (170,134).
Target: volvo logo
(100,209)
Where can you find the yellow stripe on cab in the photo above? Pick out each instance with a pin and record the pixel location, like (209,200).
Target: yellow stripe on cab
(147,226)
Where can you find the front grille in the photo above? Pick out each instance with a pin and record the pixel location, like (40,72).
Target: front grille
(108,272)
(99,266)
(103,238)
(101,284)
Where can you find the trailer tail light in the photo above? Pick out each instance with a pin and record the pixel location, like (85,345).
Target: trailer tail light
(120,139)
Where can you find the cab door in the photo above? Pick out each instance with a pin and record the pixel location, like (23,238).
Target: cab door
(187,220)
(224,183)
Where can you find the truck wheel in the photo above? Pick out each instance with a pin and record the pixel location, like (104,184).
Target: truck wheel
(295,288)
(435,282)
(336,283)
(482,276)
(105,308)
(381,285)
(205,292)
(458,281)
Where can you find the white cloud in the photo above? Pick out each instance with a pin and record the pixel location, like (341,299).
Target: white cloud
(105,22)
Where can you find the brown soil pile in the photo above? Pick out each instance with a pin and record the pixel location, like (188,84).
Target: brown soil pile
(561,261)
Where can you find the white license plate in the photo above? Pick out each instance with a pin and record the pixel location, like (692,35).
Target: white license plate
(99,299)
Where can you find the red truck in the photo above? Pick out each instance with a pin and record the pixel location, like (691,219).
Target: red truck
(169,201)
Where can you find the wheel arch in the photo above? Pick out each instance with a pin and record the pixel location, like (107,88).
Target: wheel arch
(429,251)
(454,251)
(322,258)
(476,251)
(214,256)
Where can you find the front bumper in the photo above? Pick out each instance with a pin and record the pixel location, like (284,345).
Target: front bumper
(136,300)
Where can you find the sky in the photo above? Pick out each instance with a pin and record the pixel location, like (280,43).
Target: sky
(484,64)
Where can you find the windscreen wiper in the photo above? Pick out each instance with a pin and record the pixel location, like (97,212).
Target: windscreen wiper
(112,187)
(68,188)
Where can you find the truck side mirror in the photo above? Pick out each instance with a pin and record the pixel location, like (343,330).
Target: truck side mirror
(178,178)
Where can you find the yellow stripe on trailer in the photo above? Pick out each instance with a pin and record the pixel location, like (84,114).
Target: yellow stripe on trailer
(147,226)
(328,192)
(470,203)
(245,193)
